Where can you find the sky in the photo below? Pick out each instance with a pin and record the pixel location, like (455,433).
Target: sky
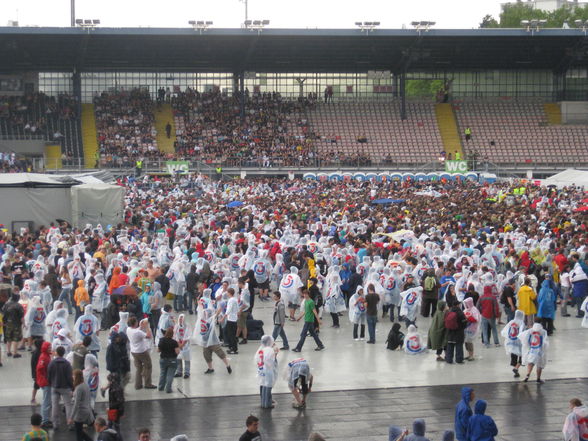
(393,14)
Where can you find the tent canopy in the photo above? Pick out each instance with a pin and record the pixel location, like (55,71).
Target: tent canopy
(568,177)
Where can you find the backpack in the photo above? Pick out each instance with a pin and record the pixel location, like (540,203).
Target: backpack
(450,321)
(430,283)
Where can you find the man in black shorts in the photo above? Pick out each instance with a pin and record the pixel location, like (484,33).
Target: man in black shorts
(13,320)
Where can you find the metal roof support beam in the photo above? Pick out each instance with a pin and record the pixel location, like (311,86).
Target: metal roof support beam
(403,95)
(242,95)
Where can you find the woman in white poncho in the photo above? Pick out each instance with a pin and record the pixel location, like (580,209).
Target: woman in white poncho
(334,297)
(290,290)
(474,318)
(266,359)
(358,313)
(411,302)
(35,318)
(512,344)
(182,336)
(535,343)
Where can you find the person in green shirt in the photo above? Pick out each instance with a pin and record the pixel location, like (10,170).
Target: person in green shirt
(309,313)
(36,432)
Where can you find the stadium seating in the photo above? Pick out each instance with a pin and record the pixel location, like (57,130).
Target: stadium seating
(520,132)
(388,138)
(38,116)
(125,127)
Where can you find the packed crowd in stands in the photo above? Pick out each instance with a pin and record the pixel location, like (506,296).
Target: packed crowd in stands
(11,163)
(125,127)
(213,130)
(471,256)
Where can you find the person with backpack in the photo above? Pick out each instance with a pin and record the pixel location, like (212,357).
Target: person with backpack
(455,322)
(430,293)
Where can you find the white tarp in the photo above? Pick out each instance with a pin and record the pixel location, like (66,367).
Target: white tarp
(97,204)
(568,177)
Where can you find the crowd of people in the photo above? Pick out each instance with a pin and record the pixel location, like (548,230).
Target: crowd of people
(469,255)
(214,130)
(125,126)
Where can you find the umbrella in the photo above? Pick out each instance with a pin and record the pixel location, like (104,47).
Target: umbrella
(387,201)
(125,290)
(234,204)
(584,208)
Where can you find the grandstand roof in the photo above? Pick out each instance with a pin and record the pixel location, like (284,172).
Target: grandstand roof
(287,50)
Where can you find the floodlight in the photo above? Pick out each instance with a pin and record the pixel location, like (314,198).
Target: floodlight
(358,23)
(376,23)
(208,23)
(200,22)
(87,22)
(524,22)
(265,22)
(413,23)
(95,22)
(578,22)
(248,22)
(79,21)
(192,22)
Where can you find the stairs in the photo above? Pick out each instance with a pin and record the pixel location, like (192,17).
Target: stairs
(163,115)
(448,129)
(89,135)
(53,157)
(553,113)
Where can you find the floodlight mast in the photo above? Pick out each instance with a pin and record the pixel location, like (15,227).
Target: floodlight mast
(200,25)
(367,26)
(256,25)
(422,25)
(533,25)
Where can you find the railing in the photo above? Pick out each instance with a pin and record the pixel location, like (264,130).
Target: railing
(278,165)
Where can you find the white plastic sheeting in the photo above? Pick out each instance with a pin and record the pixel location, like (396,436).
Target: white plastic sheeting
(97,204)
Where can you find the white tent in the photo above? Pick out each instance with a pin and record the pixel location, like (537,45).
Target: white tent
(97,204)
(566,178)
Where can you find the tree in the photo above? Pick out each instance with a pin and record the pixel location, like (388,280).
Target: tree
(489,22)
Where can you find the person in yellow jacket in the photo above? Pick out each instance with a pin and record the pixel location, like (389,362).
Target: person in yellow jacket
(81,298)
(526,301)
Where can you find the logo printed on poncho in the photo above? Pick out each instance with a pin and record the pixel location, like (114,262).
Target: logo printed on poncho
(411,298)
(56,328)
(288,281)
(181,334)
(413,344)
(260,363)
(235,262)
(513,332)
(391,284)
(204,327)
(312,247)
(39,315)
(86,327)
(259,268)
(361,306)
(93,381)
(208,256)
(535,340)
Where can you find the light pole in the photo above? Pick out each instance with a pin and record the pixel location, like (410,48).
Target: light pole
(533,25)
(246,10)
(423,25)
(73,13)
(367,26)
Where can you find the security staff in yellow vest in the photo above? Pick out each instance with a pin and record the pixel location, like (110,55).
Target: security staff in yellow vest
(457,156)
(97,159)
(138,167)
(468,134)
(219,172)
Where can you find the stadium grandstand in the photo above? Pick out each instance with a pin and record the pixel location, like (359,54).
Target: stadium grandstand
(505,100)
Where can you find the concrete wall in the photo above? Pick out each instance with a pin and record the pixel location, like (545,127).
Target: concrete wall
(574,112)
(34,147)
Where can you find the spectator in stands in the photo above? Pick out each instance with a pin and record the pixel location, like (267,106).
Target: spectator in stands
(468,134)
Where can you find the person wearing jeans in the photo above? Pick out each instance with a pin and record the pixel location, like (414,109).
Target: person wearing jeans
(309,315)
(372,300)
(168,363)
(231,315)
(59,374)
(456,337)
(488,307)
(43,382)
(280,320)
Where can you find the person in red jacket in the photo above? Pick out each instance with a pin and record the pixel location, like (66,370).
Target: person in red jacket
(488,307)
(43,382)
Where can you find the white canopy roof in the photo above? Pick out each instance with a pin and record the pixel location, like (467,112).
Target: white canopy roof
(568,177)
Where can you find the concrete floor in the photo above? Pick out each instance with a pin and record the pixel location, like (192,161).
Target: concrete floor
(357,376)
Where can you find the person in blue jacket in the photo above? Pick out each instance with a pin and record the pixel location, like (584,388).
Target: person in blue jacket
(547,300)
(481,427)
(463,412)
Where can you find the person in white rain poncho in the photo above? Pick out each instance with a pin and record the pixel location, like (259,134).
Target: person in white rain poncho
(100,296)
(410,304)
(57,305)
(535,343)
(35,318)
(120,326)
(584,307)
(576,424)
(59,323)
(474,318)
(262,270)
(91,376)
(205,335)
(512,344)
(299,381)
(166,321)
(177,283)
(266,359)
(45,294)
(391,285)
(413,343)
(182,336)
(87,326)
(334,297)
(290,289)
(357,313)
(62,339)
